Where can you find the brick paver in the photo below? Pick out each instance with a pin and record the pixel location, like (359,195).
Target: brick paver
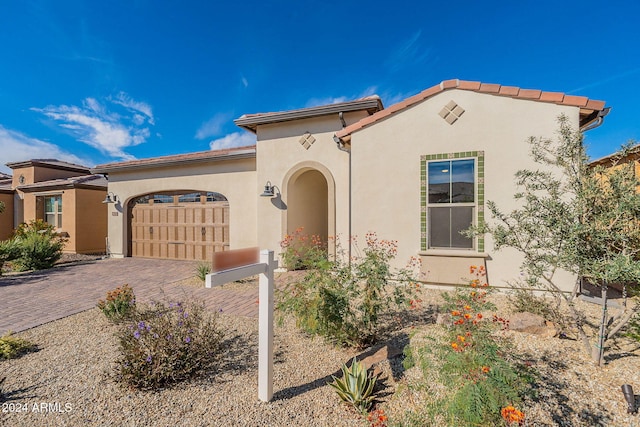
(32,299)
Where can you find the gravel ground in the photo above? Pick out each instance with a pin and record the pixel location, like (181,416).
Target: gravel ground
(69,374)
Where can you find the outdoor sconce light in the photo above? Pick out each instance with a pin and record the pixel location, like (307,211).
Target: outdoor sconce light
(111,198)
(627,390)
(268,190)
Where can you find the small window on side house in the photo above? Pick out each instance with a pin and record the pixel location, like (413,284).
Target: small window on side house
(53,210)
(451,202)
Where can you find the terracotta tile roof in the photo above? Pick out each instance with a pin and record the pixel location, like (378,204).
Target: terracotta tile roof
(84,181)
(587,106)
(201,156)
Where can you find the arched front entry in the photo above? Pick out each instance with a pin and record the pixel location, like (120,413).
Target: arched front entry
(189,225)
(310,198)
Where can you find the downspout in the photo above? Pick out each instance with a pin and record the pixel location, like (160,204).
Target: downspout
(598,120)
(341,146)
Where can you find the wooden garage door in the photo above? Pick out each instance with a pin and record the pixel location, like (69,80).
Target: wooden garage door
(179,227)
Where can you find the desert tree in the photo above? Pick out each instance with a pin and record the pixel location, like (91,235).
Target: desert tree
(578,218)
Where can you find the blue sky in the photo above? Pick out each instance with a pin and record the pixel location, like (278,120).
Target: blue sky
(99,81)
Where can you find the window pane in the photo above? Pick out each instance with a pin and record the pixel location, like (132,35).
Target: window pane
(59,201)
(439,229)
(48,204)
(445,225)
(162,198)
(462,179)
(439,182)
(189,198)
(461,219)
(215,197)
(50,218)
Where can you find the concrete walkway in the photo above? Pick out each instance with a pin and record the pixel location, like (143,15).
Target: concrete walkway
(32,299)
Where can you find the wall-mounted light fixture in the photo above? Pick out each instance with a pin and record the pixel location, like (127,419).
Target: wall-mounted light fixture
(268,190)
(111,198)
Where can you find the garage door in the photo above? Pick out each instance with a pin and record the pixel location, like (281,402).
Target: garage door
(189,226)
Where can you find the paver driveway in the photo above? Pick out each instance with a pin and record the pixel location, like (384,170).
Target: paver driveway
(31,299)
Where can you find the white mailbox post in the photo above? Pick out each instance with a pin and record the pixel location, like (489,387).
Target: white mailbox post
(264,268)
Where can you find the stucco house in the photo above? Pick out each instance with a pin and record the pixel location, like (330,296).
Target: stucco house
(63,194)
(417,172)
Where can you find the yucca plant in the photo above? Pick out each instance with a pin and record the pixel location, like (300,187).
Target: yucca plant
(356,386)
(202,269)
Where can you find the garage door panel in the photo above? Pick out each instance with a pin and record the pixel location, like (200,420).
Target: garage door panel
(191,231)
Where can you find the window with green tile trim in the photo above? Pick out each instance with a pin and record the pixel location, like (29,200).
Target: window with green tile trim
(452,199)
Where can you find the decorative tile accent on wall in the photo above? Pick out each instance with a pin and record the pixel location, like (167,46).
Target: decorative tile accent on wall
(451,112)
(479,156)
(307,140)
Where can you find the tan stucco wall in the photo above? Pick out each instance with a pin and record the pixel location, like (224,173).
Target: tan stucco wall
(235,179)
(28,173)
(282,159)
(91,221)
(386,171)
(6,218)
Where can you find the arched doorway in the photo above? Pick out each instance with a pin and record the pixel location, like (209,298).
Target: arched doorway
(308,203)
(189,225)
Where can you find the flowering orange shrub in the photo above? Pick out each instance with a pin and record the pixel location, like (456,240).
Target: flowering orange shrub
(344,301)
(301,251)
(473,364)
(512,416)
(377,418)
(120,303)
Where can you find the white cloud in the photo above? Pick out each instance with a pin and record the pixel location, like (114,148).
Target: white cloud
(409,54)
(134,106)
(109,132)
(18,147)
(236,139)
(213,126)
(245,82)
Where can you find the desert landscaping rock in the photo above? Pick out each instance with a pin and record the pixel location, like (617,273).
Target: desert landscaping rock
(532,324)
(70,374)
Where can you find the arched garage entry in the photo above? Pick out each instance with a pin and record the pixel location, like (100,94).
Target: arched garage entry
(189,225)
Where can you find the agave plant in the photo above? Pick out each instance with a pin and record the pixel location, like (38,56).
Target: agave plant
(356,386)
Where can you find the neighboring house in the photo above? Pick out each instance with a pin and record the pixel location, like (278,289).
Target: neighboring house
(65,195)
(612,161)
(417,172)
(6,197)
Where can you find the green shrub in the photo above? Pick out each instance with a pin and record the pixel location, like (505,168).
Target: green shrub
(202,269)
(39,246)
(166,344)
(633,328)
(356,386)
(12,347)
(301,251)
(119,305)
(343,301)
(9,251)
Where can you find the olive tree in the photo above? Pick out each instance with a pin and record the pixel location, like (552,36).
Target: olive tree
(577,218)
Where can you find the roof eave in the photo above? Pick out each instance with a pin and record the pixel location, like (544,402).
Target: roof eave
(31,163)
(252,122)
(106,169)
